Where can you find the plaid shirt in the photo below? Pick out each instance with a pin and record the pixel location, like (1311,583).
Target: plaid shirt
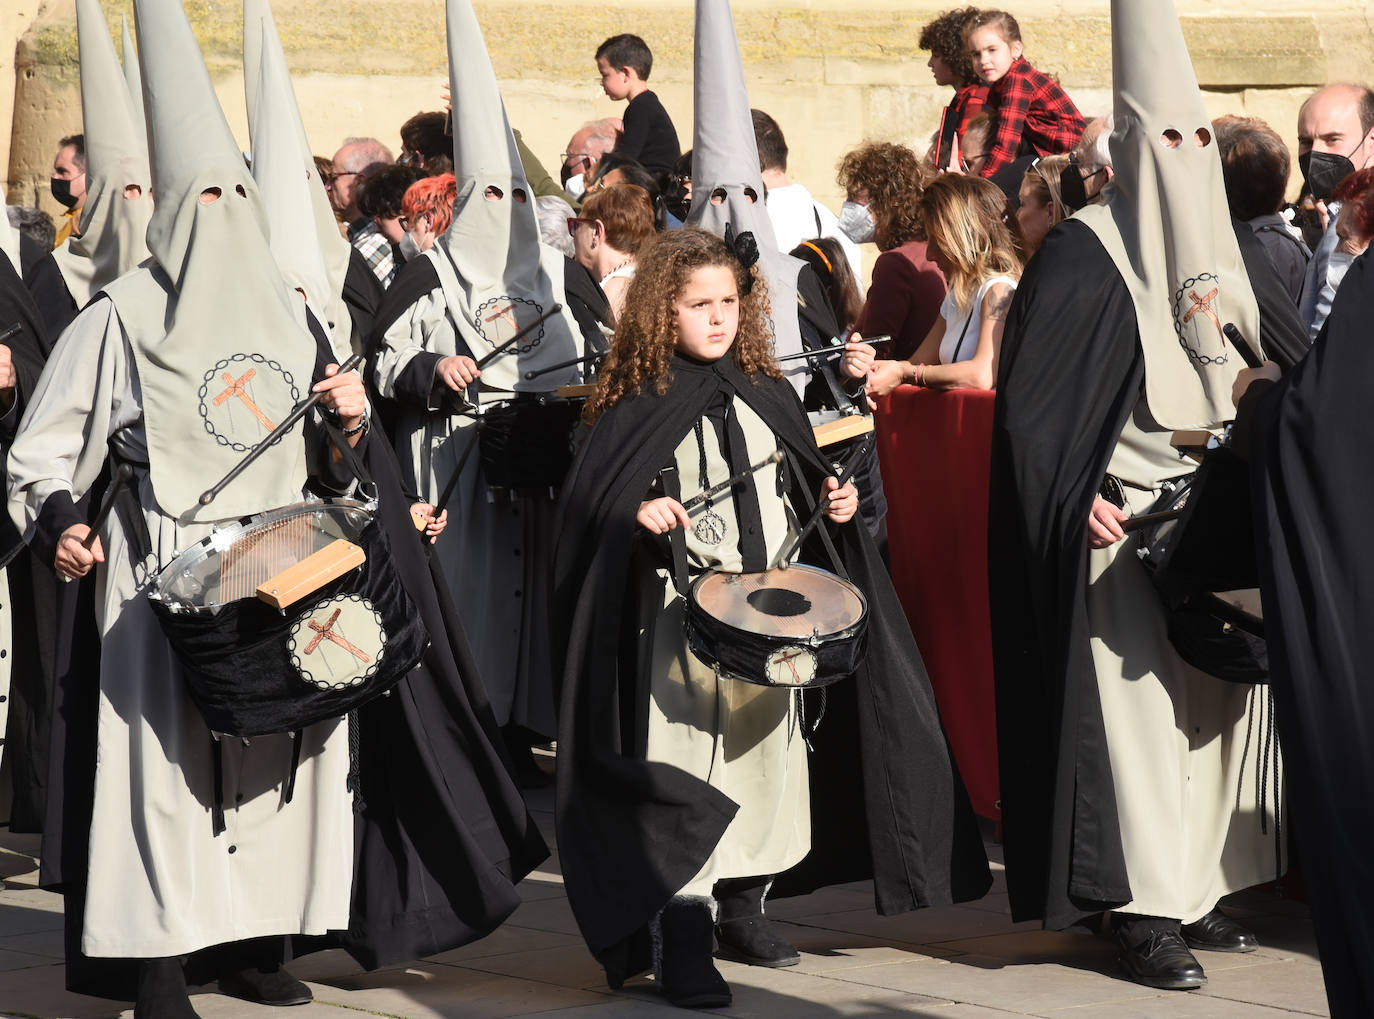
(375,248)
(967,103)
(1031,110)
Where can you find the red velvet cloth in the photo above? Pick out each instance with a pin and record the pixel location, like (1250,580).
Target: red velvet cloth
(934,449)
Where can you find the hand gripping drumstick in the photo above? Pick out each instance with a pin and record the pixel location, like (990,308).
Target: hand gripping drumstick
(850,467)
(273,437)
(835,348)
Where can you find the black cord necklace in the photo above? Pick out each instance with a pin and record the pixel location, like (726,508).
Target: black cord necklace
(710,528)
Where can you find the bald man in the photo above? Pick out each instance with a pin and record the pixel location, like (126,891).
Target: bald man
(588,144)
(355,160)
(1335,138)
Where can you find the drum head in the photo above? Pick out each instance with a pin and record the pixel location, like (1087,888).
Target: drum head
(230,563)
(799,602)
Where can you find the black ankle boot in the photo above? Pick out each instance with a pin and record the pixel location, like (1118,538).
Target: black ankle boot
(686,975)
(265,987)
(743,931)
(162,991)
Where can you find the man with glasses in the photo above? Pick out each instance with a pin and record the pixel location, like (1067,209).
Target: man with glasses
(357,158)
(588,144)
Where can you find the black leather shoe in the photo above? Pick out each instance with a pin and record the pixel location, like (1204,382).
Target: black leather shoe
(756,941)
(277,987)
(1217,932)
(1162,960)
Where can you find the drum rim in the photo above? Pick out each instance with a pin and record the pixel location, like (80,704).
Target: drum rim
(234,528)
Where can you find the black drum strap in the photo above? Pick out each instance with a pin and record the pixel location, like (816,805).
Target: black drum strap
(810,502)
(217,766)
(677,541)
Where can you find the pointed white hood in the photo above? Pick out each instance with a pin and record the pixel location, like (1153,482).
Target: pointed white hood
(133,76)
(114,220)
(497,276)
(727,186)
(261,46)
(220,343)
(1165,222)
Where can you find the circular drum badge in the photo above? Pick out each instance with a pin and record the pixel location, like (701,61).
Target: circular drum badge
(339,644)
(243,397)
(791,666)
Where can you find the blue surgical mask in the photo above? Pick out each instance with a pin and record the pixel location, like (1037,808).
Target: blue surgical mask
(856,222)
(409,249)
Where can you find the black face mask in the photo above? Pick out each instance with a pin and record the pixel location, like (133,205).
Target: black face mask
(62,191)
(1323,172)
(1072,191)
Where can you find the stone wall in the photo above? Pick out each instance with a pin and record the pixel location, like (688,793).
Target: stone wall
(831,72)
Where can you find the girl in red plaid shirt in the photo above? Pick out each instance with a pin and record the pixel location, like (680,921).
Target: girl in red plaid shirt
(1034,115)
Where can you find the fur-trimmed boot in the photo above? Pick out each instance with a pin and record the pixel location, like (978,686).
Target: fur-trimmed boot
(162,991)
(743,931)
(683,942)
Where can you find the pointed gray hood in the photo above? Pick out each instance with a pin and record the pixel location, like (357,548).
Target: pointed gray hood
(727,186)
(133,76)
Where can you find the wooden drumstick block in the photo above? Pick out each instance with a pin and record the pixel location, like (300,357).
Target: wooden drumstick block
(311,573)
(577,392)
(419,520)
(847,427)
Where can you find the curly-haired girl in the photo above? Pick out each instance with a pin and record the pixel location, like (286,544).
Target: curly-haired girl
(689,397)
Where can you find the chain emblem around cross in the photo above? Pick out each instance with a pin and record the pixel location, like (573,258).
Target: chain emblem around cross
(325,631)
(236,389)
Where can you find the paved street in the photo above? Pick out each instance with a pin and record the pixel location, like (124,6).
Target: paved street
(958,962)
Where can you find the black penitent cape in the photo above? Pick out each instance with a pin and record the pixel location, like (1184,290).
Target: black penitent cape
(886,800)
(51,295)
(1313,487)
(1070,373)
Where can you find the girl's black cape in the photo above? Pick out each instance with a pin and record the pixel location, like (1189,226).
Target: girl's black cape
(886,799)
(1313,487)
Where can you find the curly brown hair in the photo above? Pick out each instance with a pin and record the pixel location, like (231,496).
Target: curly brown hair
(894,178)
(944,37)
(645,337)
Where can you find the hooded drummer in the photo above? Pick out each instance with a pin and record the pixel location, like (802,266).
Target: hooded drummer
(1131,781)
(686,796)
(488,291)
(176,368)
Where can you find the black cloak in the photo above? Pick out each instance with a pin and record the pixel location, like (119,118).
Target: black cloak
(50,294)
(1070,372)
(886,799)
(1312,485)
(441,833)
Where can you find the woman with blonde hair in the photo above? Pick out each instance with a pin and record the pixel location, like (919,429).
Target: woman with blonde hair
(974,248)
(1042,205)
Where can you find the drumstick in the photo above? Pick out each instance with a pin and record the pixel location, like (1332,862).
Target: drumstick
(836,347)
(1146,519)
(300,410)
(11,332)
(849,468)
(730,482)
(121,478)
(447,493)
(589,359)
(488,359)
(1243,348)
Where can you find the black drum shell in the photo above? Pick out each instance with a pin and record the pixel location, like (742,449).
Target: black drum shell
(743,654)
(526,444)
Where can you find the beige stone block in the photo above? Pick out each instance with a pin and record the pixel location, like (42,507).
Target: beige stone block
(427,991)
(919,927)
(1241,51)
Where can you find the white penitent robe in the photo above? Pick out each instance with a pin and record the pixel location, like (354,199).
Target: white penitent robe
(160,882)
(1186,748)
(742,739)
(495,549)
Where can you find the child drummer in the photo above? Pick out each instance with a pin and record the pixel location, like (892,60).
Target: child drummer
(682,793)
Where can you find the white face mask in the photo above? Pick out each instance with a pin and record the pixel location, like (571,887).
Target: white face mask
(410,249)
(576,186)
(856,222)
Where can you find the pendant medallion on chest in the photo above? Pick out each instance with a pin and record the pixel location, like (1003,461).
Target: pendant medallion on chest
(711,528)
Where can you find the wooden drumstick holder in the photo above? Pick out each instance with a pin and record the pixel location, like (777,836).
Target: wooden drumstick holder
(311,573)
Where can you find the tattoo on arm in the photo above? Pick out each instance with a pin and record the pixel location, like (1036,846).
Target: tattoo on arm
(999,305)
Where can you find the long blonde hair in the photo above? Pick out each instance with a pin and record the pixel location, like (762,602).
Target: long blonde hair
(965,218)
(1043,176)
(646,333)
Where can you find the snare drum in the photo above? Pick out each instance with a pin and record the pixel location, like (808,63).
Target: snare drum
(527,443)
(798,627)
(252,669)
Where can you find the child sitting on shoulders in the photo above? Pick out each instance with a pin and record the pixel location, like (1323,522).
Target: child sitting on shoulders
(624,63)
(1034,115)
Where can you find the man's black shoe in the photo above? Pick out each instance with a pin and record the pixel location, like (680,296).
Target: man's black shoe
(277,987)
(1217,932)
(1162,960)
